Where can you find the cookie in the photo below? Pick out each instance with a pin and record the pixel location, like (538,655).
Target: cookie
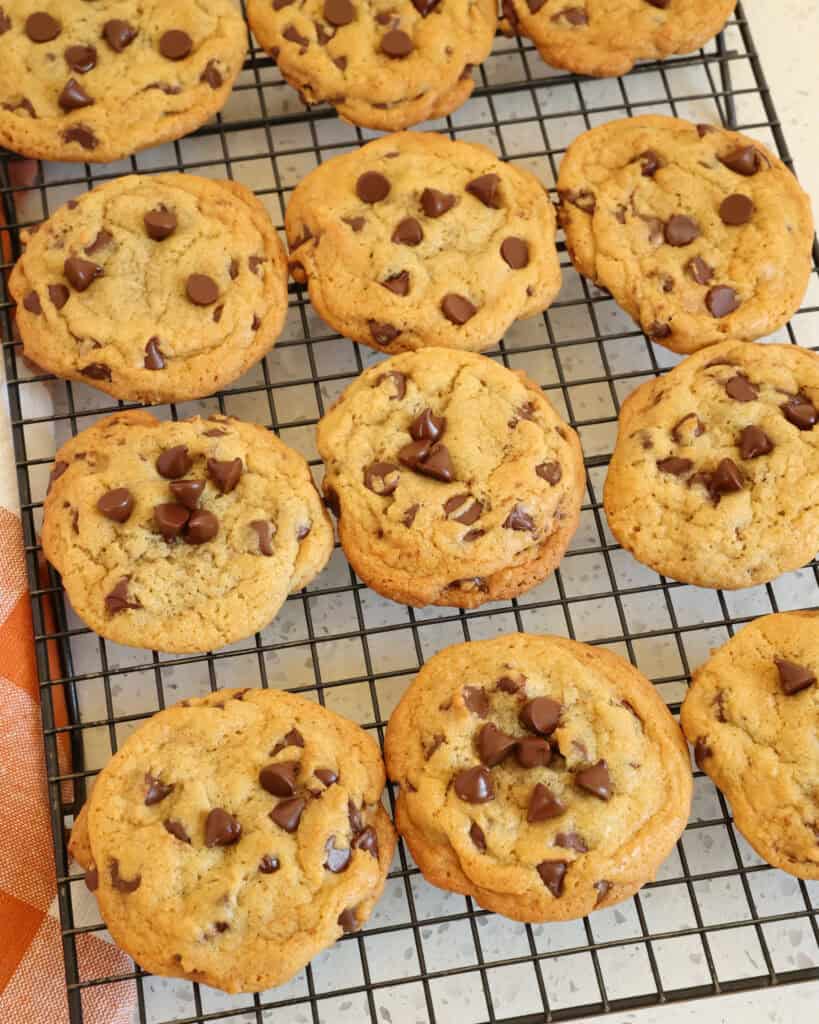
(454,480)
(385,65)
(96,82)
(607,37)
(751,717)
(153,289)
(542,777)
(235,836)
(415,240)
(181,536)
(715,476)
(699,234)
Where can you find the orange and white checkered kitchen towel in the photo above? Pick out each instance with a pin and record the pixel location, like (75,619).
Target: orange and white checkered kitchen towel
(32,979)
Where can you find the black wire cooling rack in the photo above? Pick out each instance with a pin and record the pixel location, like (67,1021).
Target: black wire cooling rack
(717,919)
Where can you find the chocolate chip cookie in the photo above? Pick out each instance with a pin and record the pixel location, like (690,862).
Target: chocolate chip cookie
(715,476)
(235,836)
(540,776)
(182,536)
(454,480)
(700,234)
(415,240)
(94,82)
(751,717)
(386,64)
(155,289)
(607,37)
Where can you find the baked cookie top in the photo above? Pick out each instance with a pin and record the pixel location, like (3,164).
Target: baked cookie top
(182,536)
(541,776)
(751,716)
(94,82)
(415,240)
(715,476)
(607,37)
(454,479)
(155,289)
(382,64)
(235,836)
(700,234)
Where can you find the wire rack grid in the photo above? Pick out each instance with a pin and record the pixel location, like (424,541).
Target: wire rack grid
(717,919)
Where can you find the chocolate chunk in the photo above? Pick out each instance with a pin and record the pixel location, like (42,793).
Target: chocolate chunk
(59,295)
(347,921)
(175,45)
(726,478)
(118,34)
(170,519)
(42,28)
(264,531)
(382,334)
(212,76)
(396,44)
(80,273)
(293,739)
(602,889)
(225,474)
(476,834)
(326,776)
(744,160)
(337,859)
(154,359)
(409,515)
(794,678)
(372,187)
(650,163)
(160,223)
(474,785)
(702,752)
(202,527)
(32,303)
(435,203)
(571,841)
(427,426)
(202,290)
(73,96)
(476,700)
(280,778)
(485,188)
(753,442)
(551,873)
(117,601)
(543,804)
(177,830)
(595,779)
(721,300)
(268,864)
(366,840)
(92,879)
(174,462)
(356,223)
(680,230)
(736,209)
(116,504)
(82,135)
(550,472)
(382,478)
(519,519)
(157,790)
(533,752)
(399,284)
(699,270)
(287,814)
(540,715)
(81,58)
(741,389)
(675,466)
(687,429)
(408,232)
(801,412)
(338,12)
(96,371)
(494,745)
(221,828)
(457,308)
(123,884)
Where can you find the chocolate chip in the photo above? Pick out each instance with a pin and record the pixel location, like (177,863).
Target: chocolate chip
(118,34)
(356,223)
(457,309)
(42,28)
(354,814)
(474,785)
(103,239)
(268,864)
(485,188)
(551,873)
(81,58)
(280,778)
(800,411)
(468,515)
(494,745)
(32,303)
(372,187)
(174,462)
(338,12)
(573,15)
(221,828)
(82,135)
(5,22)
(157,790)
(435,203)
(347,921)
(571,841)
(408,232)
(117,601)
(721,300)
(73,96)
(202,527)
(687,429)
(56,473)
(427,426)
(337,859)
(702,752)
(292,739)
(431,461)
(519,519)
(366,840)
(650,163)
(382,478)
(96,371)
(80,273)
(550,472)
(409,516)
(582,199)
(326,776)
(515,252)
(680,230)
(699,270)
(382,334)
(175,45)
(543,804)
(476,700)
(657,331)
(396,44)
(92,879)
(399,284)
(154,358)
(225,474)
(744,160)
(674,465)
(506,684)
(123,884)
(595,779)
(116,504)
(541,715)
(533,752)
(202,290)
(602,889)
(170,519)
(736,209)
(741,389)
(332,500)
(794,678)
(177,830)
(212,76)
(254,263)
(753,442)
(477,836)
(287,814)
(264,531)
(160,223)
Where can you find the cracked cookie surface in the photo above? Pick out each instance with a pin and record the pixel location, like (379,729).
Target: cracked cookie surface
(543,777)
(95,82)
(454,480)
(699,234)
(235,836)
(381,64)
(182,536)
(751,717)
(416,241)
(714,479)
(607,37)
(154,289)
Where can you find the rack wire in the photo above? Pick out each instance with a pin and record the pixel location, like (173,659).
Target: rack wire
(717,919)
